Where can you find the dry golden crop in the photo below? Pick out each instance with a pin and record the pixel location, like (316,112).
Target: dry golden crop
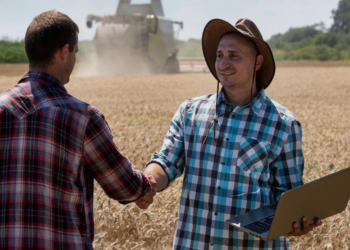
(139,109)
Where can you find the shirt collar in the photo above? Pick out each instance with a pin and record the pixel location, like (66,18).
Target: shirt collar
(35,75)
(254,104)
(258,101)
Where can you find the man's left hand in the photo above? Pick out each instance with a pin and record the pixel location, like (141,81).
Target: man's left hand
(147,199)
(306,228)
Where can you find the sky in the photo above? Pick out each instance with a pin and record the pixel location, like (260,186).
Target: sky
(271,16)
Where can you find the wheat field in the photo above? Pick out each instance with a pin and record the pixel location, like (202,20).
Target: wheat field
(139,108)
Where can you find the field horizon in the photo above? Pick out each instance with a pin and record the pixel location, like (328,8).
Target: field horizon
(139,109)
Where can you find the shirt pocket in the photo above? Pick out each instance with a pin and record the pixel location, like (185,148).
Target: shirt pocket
(249,174)
(253,154)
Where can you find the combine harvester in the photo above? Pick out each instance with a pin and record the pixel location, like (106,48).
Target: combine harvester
(137,39)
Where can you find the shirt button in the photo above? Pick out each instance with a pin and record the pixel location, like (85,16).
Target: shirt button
(223,163)
(215,213)
(219,187)
(227,139)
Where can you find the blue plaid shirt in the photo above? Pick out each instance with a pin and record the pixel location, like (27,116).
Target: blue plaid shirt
(255,157)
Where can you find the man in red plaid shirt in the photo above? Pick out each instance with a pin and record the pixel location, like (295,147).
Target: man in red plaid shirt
(52,148)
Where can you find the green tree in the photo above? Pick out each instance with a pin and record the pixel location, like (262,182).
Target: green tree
(341,18)
(298,34)
(12,52)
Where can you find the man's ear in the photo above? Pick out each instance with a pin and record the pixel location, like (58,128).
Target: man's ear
(259,62)
(63,52)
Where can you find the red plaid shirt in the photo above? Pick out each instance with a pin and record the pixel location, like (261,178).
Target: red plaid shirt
(52,147)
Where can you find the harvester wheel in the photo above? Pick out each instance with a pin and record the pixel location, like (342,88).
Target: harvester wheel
(171,66)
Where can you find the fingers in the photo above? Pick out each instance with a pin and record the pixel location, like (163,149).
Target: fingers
(306,227)
(142,203)
(147,199)
(305,224)
(296,231)
(153,183)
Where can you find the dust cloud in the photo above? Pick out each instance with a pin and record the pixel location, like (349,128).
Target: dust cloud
(108,61)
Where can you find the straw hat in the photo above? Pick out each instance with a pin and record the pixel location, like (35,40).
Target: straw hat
(214,31)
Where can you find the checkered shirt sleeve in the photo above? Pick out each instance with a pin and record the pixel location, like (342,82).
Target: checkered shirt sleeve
(110,168)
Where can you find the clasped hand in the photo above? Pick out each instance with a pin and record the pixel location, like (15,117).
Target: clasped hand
(147,199)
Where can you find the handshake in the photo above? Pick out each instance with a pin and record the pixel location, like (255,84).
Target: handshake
(147,199)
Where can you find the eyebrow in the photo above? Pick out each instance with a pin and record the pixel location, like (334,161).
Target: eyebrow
(231,51)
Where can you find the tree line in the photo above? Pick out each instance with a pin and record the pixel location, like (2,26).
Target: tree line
(315,42)
(309,43)
(12,52)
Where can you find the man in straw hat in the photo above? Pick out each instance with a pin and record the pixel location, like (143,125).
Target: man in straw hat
(238,149)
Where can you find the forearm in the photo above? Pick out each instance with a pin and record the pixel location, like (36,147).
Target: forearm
(159,175)
(144,180)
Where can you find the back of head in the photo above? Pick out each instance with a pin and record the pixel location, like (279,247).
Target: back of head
(47,33)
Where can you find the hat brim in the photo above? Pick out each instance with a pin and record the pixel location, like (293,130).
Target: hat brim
(212,35)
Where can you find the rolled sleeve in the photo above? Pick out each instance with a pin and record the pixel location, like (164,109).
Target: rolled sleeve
(171,156)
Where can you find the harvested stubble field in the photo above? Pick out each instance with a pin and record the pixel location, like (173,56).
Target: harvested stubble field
(139,109)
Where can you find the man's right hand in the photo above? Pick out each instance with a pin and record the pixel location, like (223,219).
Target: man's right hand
(147,199)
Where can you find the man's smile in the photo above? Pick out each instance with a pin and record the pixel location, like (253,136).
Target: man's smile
(227,72)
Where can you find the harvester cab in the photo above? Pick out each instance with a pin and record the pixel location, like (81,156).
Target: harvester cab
(136,39)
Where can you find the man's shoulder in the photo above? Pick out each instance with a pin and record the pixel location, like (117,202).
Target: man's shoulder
(198,101)
(41,95)
(283,112)
(5,97)
(81,106)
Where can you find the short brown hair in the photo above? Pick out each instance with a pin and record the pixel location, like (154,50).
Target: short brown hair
(47,33)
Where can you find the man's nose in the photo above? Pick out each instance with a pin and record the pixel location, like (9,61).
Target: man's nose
(224,63)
